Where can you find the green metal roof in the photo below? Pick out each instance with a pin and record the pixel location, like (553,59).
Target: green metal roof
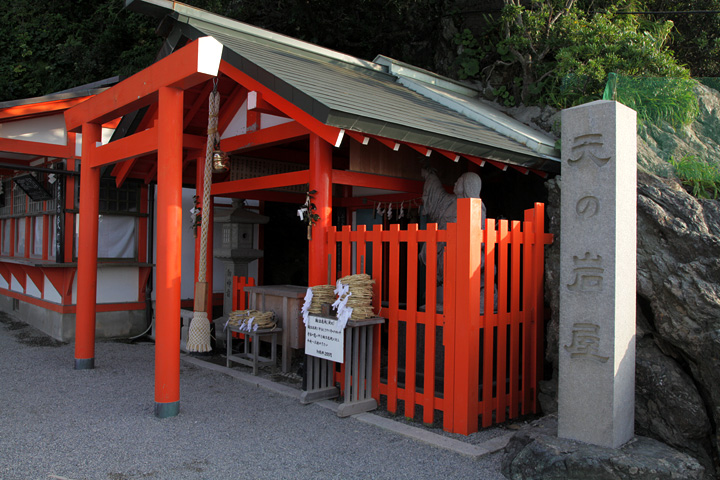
(388,99)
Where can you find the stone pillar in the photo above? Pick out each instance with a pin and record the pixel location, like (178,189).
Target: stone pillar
(597,274)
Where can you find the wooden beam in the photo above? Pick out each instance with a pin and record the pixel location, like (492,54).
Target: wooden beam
(266,137)
(522,170)
(392,144)
(27,147)
(189,66)
(357,179)
(480,162)
(500,165)
(201,101)
(332,135)
(42,108)
(425,151)
(455,157)
(261,183)
(136,145)
(256,103)
(358,137)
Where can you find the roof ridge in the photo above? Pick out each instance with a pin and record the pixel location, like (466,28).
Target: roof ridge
(159,8)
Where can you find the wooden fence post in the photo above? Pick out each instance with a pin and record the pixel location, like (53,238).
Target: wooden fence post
(467,300)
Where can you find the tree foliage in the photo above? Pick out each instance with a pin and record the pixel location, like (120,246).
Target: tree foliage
(51,46)
(555,52)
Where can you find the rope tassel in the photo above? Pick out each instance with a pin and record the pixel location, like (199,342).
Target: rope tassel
(199,332)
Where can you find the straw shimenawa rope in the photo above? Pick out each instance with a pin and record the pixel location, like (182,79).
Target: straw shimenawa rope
(321,294)
(252,320)
(199,332)
(355,295)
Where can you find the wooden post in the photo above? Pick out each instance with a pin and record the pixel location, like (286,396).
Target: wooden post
(467,300)
(321,182)
(87,251)
(169,235)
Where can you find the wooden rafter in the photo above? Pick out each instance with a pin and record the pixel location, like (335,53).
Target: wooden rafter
(283,133)
(332,135)
(191,65)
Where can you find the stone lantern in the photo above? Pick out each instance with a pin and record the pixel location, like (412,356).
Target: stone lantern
(237,245)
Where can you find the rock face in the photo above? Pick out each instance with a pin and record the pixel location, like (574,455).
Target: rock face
(541,455)
(678,287)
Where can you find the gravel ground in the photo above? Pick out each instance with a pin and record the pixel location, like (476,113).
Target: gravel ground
(61,423)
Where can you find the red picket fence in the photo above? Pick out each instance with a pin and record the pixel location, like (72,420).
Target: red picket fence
(476,360)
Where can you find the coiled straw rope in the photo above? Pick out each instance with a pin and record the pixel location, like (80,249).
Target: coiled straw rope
(199,332)
(252,320)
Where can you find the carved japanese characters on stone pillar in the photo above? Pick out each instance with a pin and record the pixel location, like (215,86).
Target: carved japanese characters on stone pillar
(597,264)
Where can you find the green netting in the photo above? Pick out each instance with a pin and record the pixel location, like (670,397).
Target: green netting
(656,99)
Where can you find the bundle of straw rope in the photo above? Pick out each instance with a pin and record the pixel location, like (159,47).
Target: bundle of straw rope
(321,294)
(252,320)
(199,331)
(360,295)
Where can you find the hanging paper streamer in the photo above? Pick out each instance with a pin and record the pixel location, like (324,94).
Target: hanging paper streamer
(389,211)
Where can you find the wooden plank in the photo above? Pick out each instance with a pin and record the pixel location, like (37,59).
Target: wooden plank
(376,242)
(515,318)
(332,249)
(136,145)
(40,149)
(539,264)
(411,322)
(393,302)
(358,179)
(266,137)
(490,239)
(259,183)
(430,309)
(527,312)
(362,364)
(360,250)
(450,327)
(502,322)
(346,250)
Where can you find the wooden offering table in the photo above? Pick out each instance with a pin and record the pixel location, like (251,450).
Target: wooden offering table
(286,302)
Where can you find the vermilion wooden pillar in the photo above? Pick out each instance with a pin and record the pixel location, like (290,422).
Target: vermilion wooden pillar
(467,304)
(321,181)
(169,237)
(87,250)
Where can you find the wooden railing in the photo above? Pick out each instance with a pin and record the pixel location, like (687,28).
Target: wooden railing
(476,355)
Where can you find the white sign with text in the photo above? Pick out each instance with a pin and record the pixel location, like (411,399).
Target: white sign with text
(324,338)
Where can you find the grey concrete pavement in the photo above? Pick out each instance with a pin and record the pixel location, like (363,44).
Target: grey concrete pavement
(60,423)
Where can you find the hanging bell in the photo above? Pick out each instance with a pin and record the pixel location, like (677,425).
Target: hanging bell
(220,161)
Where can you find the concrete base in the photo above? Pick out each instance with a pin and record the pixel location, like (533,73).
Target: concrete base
(84,363)
(61,326)
(165,410)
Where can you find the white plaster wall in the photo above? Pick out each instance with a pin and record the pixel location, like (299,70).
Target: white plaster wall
(114,285)
(105,138)
(51,295)
(267,120)
(3,284)
(238,125)
(15,285)
(47,129)
(31,289)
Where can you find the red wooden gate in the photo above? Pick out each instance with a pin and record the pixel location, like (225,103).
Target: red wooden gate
(476,359)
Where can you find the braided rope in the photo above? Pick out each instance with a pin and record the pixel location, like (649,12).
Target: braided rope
(213,138)
(199,331)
